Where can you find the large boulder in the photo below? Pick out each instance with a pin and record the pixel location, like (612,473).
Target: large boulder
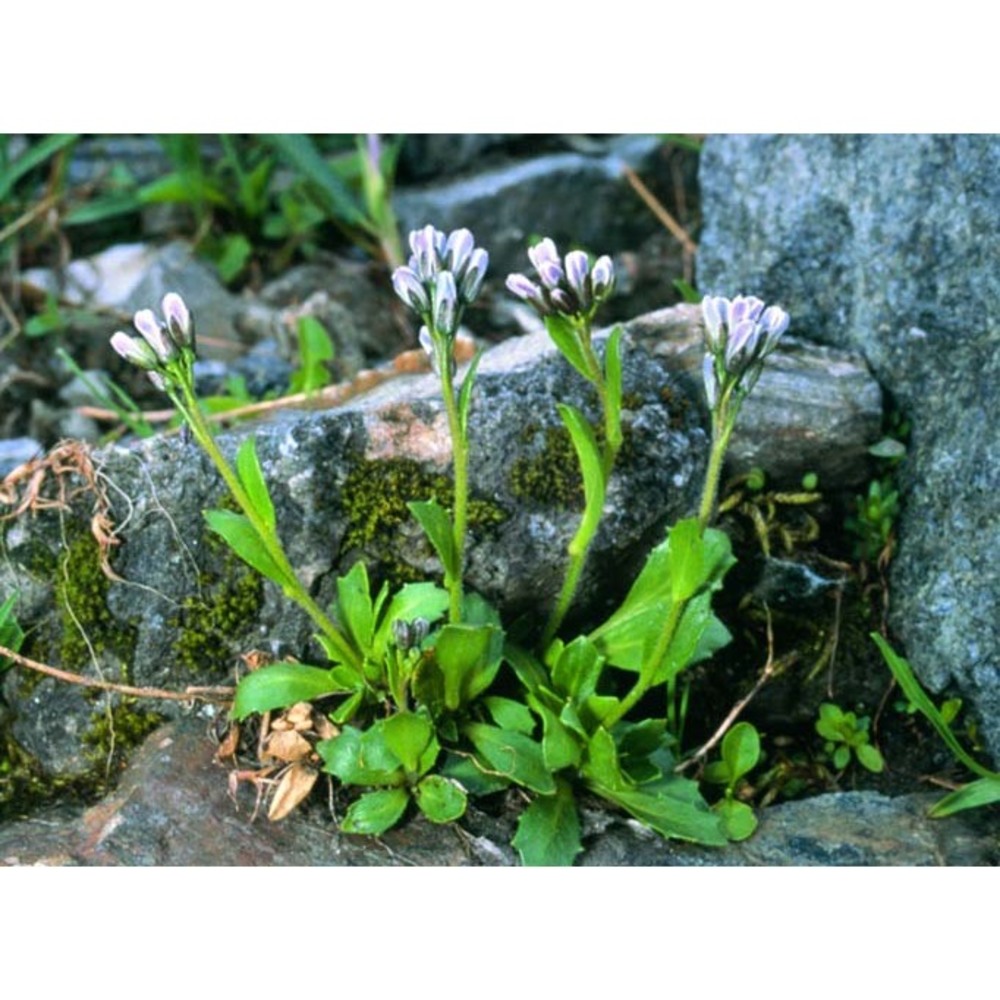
(888,245)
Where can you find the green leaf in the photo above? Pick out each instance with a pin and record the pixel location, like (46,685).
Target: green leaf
(560,747)
(841,757)
(631,630)
(346,710)
(467,772)
(408,736)
(673,807)
(11,634)
(738,819)
(469,657)
(333,195)
(548,832)
(906,679)
(279,685)
(591,467)
(440,799)
(361,758)
(315,348)
(510,714)
(36,154)
(241,536)
(376,812)
(465,393)
(687,557)
(354,606)
(252,477)
(231,256)
(437,526)
(578,669)
(741,750)
(512,755)
(567,339)
(870,758)
(529,671)
(982,792)
(601,766)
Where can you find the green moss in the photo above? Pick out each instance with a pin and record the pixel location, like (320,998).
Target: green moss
(550,476)
(375,499)
(81,592)
(112,734)
(229,597)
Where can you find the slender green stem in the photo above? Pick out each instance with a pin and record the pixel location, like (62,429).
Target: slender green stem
(460,513)
(579,547)
(188,405)
(723,421)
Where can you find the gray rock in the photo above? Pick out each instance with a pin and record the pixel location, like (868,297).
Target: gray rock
(17,451)
(888,245)
(173,807)
(438,155)
(815,409)
(505,206)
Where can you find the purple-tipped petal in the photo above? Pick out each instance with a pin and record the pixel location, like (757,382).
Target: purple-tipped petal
(158,380)
(544,250)
(550,272)
(775,323)
(411,290)
(577,266)
(713,321)
(178,318)
(525,289)
(135,351)
(602,278)
(458,249)
(741,344)
(475,272)
(154,335)
(446,312)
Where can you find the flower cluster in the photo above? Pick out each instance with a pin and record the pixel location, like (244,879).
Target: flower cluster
(739,334)
(162,344)
(569,286)
(443,276)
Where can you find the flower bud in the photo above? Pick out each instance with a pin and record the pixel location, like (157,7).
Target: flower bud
(155,335)
(475,272)
(446,313)
(577,268)
(136,351)
(602,278)
(179,324)
(458,249)
(711,380)
(411,290)
(551,273)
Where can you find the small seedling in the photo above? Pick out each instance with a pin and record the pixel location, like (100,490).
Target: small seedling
(845,734)
(740,755)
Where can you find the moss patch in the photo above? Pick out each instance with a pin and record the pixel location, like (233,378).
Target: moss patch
(375,498)
(81,591)
(112,734)
(229,596)
(550,476)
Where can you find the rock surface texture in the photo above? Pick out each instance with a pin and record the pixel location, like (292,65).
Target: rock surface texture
(887,245)
(174,807)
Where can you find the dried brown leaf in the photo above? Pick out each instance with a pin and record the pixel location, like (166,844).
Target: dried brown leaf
(288,746)
(301,711)
(227,748)
(325,729)
(296,784)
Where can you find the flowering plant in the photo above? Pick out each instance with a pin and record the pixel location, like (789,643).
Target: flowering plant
(419,720)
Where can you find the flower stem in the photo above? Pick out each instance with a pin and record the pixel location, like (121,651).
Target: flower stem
(579,547)
(460,512)
(293,588)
